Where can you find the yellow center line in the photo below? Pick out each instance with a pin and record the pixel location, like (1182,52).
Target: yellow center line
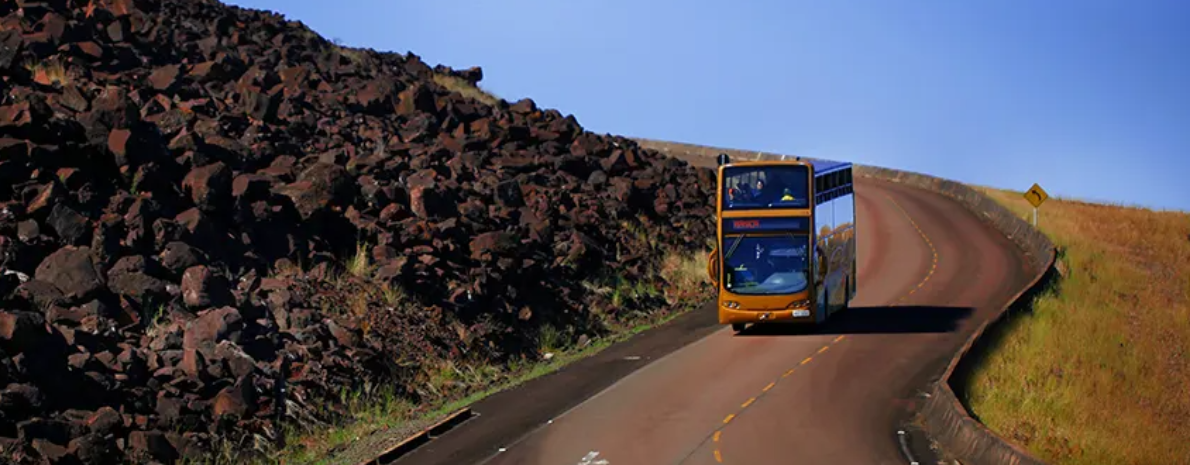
(930,243)
(719,432)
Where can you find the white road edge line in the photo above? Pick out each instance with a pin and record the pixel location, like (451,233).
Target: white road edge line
(905,447)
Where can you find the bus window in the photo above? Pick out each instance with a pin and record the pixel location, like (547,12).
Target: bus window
(763,187)
(761,265)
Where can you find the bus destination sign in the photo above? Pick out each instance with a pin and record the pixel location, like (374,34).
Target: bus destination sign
(746,225)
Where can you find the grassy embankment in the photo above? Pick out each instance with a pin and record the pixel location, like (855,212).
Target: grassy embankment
(377,419)
(1099,372)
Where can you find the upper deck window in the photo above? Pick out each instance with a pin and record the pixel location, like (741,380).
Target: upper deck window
(765,187)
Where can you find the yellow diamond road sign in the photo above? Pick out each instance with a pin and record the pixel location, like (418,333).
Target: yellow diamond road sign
(1036,195)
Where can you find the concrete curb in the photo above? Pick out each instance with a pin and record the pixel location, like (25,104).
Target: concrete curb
(421,437)
(946,420)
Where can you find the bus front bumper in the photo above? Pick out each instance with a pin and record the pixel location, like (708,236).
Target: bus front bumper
(795,315)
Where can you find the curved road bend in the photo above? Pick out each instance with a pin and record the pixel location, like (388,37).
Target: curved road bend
(929,273)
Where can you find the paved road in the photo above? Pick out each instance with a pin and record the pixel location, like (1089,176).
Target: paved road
(929,272)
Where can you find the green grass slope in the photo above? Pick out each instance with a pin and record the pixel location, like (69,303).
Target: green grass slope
(1099,372)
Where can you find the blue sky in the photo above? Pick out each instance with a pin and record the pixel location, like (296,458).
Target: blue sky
(1089,98)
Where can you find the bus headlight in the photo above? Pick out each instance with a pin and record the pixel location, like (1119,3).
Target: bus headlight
(731,304)
(799,303)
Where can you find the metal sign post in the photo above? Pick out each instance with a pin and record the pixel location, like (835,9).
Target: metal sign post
(1036,196)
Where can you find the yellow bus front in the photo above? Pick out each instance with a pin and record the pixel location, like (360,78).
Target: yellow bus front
(766,272)
(762,265)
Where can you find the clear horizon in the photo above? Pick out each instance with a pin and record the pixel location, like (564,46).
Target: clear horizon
(1087,98)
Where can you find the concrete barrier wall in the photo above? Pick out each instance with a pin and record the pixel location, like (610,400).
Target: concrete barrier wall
(945,418)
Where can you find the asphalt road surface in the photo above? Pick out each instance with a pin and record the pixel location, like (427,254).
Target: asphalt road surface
(693,392)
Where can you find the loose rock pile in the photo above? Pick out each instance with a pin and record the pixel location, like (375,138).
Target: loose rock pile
(167,165)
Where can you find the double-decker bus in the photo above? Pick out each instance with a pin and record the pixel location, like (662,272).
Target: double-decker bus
(785,246)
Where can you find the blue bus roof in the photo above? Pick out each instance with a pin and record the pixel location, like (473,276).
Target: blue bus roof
(827,166)
(821,166)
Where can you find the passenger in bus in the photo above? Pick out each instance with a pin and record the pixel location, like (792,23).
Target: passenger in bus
(758,191)
(743,192)
(787,196)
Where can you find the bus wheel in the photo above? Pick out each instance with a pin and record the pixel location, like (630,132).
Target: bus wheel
(737,327)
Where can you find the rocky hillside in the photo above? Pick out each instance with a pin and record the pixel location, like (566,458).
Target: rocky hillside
(213,221)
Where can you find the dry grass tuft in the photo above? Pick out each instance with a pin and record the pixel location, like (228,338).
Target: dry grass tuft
(356,55)
(1099,372)
(360,264)
(457,84)
(49,73)
(686,277)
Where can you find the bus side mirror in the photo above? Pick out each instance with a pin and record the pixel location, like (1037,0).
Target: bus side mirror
(713,267)
(723,160)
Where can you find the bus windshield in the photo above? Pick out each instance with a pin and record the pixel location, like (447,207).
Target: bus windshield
(766,265)
(763,187)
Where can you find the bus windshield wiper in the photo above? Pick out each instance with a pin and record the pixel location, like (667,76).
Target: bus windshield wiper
(731,250)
